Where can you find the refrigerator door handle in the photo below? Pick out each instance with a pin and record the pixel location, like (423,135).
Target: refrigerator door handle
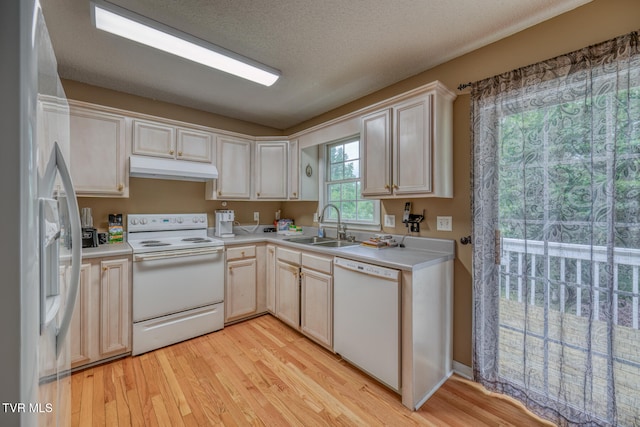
(76,248)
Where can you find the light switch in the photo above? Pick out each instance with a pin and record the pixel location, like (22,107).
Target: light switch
(443,223)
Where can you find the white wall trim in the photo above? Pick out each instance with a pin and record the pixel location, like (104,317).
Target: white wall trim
(463,370)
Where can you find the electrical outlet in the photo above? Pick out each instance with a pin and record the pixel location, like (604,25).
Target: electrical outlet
(256,216)
(443,223)
(315,217)
(389,220)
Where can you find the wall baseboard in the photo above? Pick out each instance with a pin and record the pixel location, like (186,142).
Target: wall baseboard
(463,370)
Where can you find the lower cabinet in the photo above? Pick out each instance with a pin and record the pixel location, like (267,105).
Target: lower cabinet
(304,293)
(101,323)
(244,283)
(270,269)
(316,299)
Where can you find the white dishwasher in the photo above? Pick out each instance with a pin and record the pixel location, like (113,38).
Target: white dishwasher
(366,310)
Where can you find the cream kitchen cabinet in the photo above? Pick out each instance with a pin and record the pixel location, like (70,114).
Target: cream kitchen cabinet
(407,147)
(304,293)
(245,287)
(98,152)
(270,270)
(271,169)
(294,170)
(159,139)
(233,159)
(115,308)
(101,321)
(288,286)
(316,299)
(80,330)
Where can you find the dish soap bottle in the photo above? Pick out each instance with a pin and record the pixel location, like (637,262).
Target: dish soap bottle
(320,231)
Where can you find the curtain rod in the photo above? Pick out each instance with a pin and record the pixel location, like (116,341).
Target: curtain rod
(463,86)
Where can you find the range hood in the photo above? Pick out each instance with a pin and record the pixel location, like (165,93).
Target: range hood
(183,170)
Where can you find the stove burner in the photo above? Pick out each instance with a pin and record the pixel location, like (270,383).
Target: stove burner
(145,242)
(196,239)
(155,243)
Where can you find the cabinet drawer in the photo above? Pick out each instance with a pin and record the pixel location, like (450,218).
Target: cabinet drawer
(288,255)
(318,263)
(240,252)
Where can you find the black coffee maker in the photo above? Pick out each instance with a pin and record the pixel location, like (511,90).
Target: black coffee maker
(89,234)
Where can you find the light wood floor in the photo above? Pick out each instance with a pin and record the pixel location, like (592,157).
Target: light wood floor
(261,372)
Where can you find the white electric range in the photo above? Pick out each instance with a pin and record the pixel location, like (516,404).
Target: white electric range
(178,279)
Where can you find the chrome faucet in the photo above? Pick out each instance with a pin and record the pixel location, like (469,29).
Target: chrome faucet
(342,228)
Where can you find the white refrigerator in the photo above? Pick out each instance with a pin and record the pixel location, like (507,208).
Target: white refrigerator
(40,225)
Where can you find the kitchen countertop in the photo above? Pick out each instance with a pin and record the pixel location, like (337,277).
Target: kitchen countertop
(113,249)
(420,252)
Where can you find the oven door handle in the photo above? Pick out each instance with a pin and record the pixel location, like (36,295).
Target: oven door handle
(176,254)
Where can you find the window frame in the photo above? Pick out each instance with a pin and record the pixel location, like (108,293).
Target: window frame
(325,182)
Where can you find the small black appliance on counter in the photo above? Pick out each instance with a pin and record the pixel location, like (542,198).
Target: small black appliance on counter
(89,237)
(89,234)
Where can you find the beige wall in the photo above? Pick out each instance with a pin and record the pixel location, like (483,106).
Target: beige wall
(592,23)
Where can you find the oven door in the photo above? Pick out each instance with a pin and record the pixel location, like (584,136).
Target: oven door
(172,281)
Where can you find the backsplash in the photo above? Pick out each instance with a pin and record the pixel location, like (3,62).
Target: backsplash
(154,196)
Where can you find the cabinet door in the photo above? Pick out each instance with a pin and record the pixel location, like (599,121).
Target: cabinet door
(153,139)
(240,299)
(115,318)
(194,145)
(288,293)
(98,145)
(294,170)
(233,159)
(271,170)
(412,171)
(53,126)
(316,306)
(376,149)
(79,330)
(271,278)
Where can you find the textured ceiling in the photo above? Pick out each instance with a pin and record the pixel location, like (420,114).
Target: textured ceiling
(330,52)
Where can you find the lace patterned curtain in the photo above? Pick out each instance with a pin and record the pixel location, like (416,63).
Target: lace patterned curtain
(556,223)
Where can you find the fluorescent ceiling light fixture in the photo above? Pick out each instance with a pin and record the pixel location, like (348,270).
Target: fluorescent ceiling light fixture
(124,23)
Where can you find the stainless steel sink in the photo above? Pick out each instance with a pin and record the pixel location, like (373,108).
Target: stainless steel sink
(336,244)
(321,241)
(309,240)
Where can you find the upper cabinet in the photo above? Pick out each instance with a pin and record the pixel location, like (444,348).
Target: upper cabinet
(271,169)
(172,142)
(98,152)
(233,157)
(408,147)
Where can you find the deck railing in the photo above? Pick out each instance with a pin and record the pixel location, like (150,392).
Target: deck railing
(574,279)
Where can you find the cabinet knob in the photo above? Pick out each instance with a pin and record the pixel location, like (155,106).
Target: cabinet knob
(258,194)
(230,269)
(219,193)
(295,194)
(395,186)
(171,152)
(180,153)
(386,187)
(120,187)
(242,254)
(105,268)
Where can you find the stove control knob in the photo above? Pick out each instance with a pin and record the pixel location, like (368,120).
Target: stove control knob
(134,221)
(202,219)
(180,220)
(143,221)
